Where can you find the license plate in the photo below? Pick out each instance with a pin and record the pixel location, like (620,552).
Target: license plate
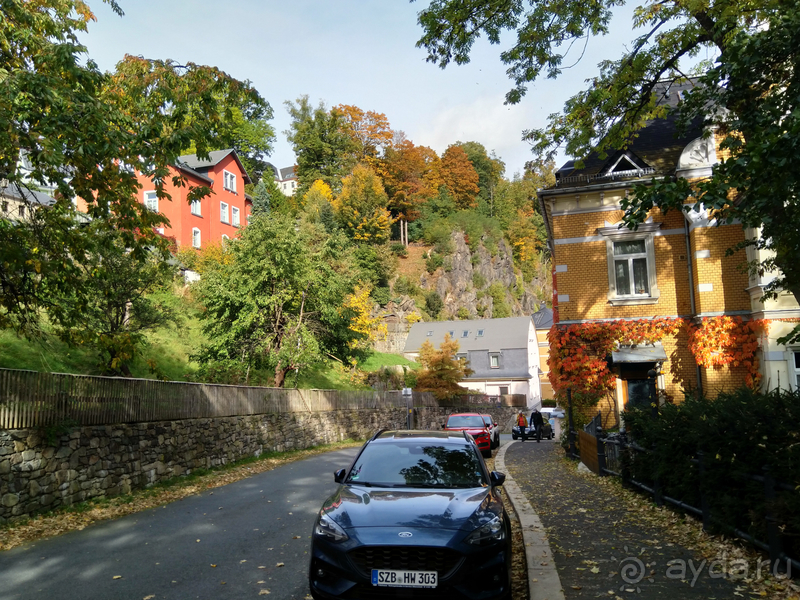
(419,579)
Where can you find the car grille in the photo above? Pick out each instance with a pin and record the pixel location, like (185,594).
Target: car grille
(403,558)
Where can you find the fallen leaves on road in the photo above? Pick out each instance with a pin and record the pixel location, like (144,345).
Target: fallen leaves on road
(117,577)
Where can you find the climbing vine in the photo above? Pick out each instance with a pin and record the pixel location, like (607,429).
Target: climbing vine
(578,352)
(721,341)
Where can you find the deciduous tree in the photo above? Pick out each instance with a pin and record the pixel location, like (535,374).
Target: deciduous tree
(460,177)
(323,147)
(361,207)
(441,370)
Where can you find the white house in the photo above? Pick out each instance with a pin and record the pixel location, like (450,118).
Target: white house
(503,353)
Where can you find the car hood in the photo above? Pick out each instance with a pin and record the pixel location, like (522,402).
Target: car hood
(473,431)
(354,506)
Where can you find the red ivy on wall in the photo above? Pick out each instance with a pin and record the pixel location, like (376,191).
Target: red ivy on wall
(578,352)
(721,341)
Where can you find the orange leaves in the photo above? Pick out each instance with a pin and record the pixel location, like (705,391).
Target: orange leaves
(460,177)
(721,341)
(578,351)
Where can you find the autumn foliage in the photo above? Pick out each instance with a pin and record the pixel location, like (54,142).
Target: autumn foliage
(441,370)
(578,352)
(460,177)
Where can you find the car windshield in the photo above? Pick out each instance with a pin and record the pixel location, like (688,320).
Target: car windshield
(465,421)
(487,419)
(409,464)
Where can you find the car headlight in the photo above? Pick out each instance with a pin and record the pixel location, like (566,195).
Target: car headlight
(327,528)
(491,532)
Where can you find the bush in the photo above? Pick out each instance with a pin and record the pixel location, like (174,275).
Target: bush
(433,262)
(399,249)
(478,280)
(433,304)
(381,295)
(463,314)
(738,433)
(500,308)
(404,285)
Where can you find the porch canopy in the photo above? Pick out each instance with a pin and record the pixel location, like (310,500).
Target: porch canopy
(643,353)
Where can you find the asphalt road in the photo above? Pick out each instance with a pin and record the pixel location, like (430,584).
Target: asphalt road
(225,543)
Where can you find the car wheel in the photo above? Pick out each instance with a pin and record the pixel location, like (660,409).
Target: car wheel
(513,436)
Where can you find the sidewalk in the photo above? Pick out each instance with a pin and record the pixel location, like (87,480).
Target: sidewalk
(600,548)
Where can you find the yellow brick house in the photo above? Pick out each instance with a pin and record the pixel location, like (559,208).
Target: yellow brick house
(673,268)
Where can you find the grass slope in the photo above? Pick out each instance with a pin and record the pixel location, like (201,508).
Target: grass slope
(169,348)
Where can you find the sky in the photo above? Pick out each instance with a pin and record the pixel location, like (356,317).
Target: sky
(354,52)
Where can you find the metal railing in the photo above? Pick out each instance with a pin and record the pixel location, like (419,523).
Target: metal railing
(612,460)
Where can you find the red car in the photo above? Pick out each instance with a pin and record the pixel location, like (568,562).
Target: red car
(474,425)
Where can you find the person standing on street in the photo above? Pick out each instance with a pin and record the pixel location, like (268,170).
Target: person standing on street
(537,422)
(523,423)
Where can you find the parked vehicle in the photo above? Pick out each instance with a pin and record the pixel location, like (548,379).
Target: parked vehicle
(417,514)
(530,434)
(494,430)
(475,426)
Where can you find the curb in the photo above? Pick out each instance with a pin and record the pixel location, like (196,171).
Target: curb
(543,580)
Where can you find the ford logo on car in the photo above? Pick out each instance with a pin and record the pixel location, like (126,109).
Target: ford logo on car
(405,534)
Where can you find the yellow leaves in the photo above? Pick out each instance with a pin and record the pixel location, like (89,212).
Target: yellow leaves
(362,321)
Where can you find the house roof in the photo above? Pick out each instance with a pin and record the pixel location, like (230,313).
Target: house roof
(22,193)
(543,318)
(654,152)
(288,173)
(498,334)
(192,161)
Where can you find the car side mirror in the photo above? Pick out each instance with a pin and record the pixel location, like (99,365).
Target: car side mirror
(497,478)
(338,476)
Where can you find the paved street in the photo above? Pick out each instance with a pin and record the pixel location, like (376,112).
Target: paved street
(224,543)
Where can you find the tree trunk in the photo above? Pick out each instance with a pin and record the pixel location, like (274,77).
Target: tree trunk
(280,376)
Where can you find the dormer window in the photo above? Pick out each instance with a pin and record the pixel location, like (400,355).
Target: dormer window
(229,181)
(465,334)
(480,332)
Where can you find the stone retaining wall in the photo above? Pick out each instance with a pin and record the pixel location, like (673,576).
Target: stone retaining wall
(109,460)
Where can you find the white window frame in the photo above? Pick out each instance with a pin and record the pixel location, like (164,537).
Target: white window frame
(645,232)
(465,334)
(197,208)
(793,358)
(235,221)
(229,181)
(480,332)
(151,200)
(196,241)
(224,217)
(494,360)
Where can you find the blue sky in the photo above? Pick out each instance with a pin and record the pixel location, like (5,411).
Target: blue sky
(348,52)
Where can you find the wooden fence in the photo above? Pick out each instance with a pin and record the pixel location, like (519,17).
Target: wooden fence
(33,399)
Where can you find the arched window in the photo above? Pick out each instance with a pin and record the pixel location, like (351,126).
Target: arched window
(196,237)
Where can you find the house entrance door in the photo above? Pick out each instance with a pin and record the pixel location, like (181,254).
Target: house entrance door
(638,392)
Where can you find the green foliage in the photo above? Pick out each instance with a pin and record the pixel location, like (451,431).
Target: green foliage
(433,262)
(266,196)
(406,286)
(478,280)
(500,308)
(433,304)
(381,295)
(438,234)
(320,141)
(738,432)
(490,169)
(478,228)
(399,249)
(463,314)
(376,264)
(273,304)
(113,308)
(81,131)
